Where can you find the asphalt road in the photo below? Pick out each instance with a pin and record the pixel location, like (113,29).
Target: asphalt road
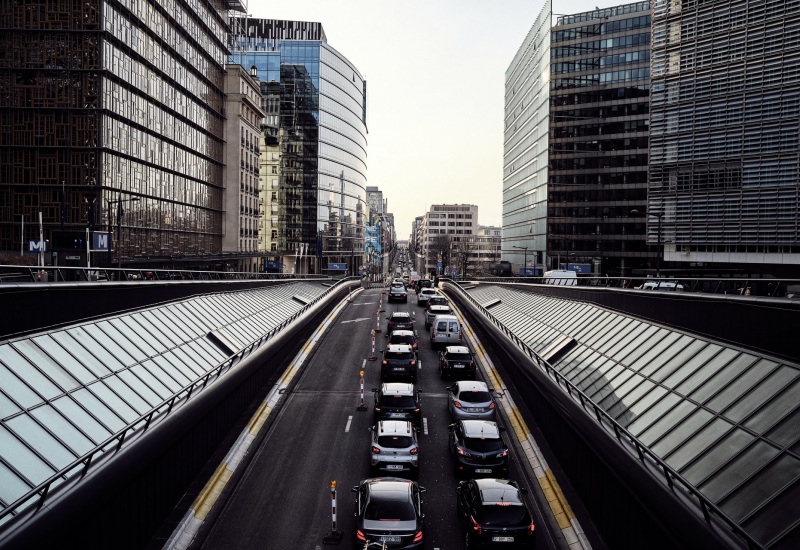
(283,501)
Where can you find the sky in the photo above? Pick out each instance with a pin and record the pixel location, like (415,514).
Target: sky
(435,72)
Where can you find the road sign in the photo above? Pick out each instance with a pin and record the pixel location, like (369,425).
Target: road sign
(101,241)
(337,267)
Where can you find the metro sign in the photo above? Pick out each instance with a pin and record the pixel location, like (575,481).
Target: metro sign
(101,241)
(37,246)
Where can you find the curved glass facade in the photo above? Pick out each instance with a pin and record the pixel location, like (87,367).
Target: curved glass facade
(323,136)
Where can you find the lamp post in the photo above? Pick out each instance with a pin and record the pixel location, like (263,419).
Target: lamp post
(525,256)
(658,215)
(120,213)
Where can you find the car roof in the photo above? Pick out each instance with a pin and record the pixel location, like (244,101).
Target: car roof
(456,349)
(472,385)
(390,487)
(398,348)
(447,317)
(402,427)
(397,388)
(481,428)
(429,291)
(402,333)
(494,491)
(401,314)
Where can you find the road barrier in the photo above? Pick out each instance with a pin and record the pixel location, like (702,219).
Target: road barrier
(334,536)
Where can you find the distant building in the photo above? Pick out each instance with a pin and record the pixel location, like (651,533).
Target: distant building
(241,195)
(725,115)
(448,232)
(488,242)
(321,116)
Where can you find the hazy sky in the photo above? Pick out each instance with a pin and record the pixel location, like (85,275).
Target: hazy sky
(435,75)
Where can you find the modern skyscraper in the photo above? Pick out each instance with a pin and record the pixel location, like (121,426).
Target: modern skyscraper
(322,138)
(725,112)
(576,141)
(108,118)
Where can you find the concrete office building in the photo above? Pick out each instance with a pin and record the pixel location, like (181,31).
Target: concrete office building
(103,106)
(241,194)
(725,118)
(321,193)
(575,154)
(447,236)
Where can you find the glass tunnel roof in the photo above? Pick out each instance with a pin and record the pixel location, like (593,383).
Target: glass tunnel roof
(727,420)
(64,393)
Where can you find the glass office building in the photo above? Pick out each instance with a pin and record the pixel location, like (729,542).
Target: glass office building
(107,105)
(725,114)
(323,138)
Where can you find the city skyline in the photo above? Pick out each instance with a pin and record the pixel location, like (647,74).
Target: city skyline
(463,46)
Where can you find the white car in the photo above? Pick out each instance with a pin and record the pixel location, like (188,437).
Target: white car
(423,295)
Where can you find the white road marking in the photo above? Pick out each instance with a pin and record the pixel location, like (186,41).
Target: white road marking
(420,365)
(357,320)
(425,425)
(349,420)
(365,304)
(363,364)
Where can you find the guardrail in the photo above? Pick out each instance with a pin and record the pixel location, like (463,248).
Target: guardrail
(82,465)
(625,438)
(38,274)
(775,288)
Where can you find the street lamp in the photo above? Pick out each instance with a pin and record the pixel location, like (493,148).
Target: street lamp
(525,256)
(658,215)
(120,213)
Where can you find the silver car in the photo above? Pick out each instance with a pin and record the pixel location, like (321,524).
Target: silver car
(423,295)
(470,400)
(395,450)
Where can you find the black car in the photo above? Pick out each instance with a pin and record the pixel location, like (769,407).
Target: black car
(398,294)
(399,363)
(478,448)
(399,320)
(389,510)
(456,361)
(396,401)
(493,514)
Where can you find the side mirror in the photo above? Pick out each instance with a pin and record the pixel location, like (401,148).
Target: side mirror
(501,428)
(374,390)
(354,489)
(423,490)
(419,390)
(523,490)
(451,427)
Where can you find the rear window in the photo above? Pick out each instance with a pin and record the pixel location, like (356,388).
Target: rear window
(399,355)
(475,396)
(453,326)
(483,445)
(400,320)
(398,401)
(442,326)
(437,301)
(394,441)
(499,514)
(389,509)
(458,357)
(404,339)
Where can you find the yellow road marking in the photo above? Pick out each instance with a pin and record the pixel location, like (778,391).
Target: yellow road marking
(259,418)
(210,493)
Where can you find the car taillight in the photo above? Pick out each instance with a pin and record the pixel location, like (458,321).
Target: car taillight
(416,410)
(375,450)
(491,406)
(433,334)
(377,409)
(415,345)
(462,452)
(360,535)
(413,362)
(457,404)
(473,524)
(446,364)
(500,455)
(459,335)
(385,362)
(530,529)
(418,537)
(414,451)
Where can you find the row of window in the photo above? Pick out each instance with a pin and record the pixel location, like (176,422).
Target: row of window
(598,29)
(599,46)
(596,63)
(601,79)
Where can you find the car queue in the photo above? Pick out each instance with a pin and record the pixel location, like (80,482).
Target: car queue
(491,509)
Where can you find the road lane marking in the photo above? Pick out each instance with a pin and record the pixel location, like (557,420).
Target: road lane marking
(356,320)
(425,425)
(349,420)
(420,365)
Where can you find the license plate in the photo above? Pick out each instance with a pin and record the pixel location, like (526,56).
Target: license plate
(394,539)
(485,471)
(502,539)
(458,366)
(398,369)
(475,409)
(394,467)
(397,415)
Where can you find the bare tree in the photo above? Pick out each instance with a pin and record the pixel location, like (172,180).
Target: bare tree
(463,251)
(439,246)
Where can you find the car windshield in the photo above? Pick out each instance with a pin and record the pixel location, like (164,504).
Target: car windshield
(389,508)
(399,355)
(405,401)
(394,441)
(502,514)
(437,301)
(458,357)
(474,396)
(482,445)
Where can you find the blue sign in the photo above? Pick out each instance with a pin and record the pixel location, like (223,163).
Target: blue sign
(360,271)
(439,265)
(33,246)
(273,264)
(337,267)
(530,272)
(454,273)
(580,268)
(101,241)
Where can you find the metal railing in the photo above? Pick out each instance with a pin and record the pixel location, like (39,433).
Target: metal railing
(627,439)
(774,288)
(82,465)
(52,274)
